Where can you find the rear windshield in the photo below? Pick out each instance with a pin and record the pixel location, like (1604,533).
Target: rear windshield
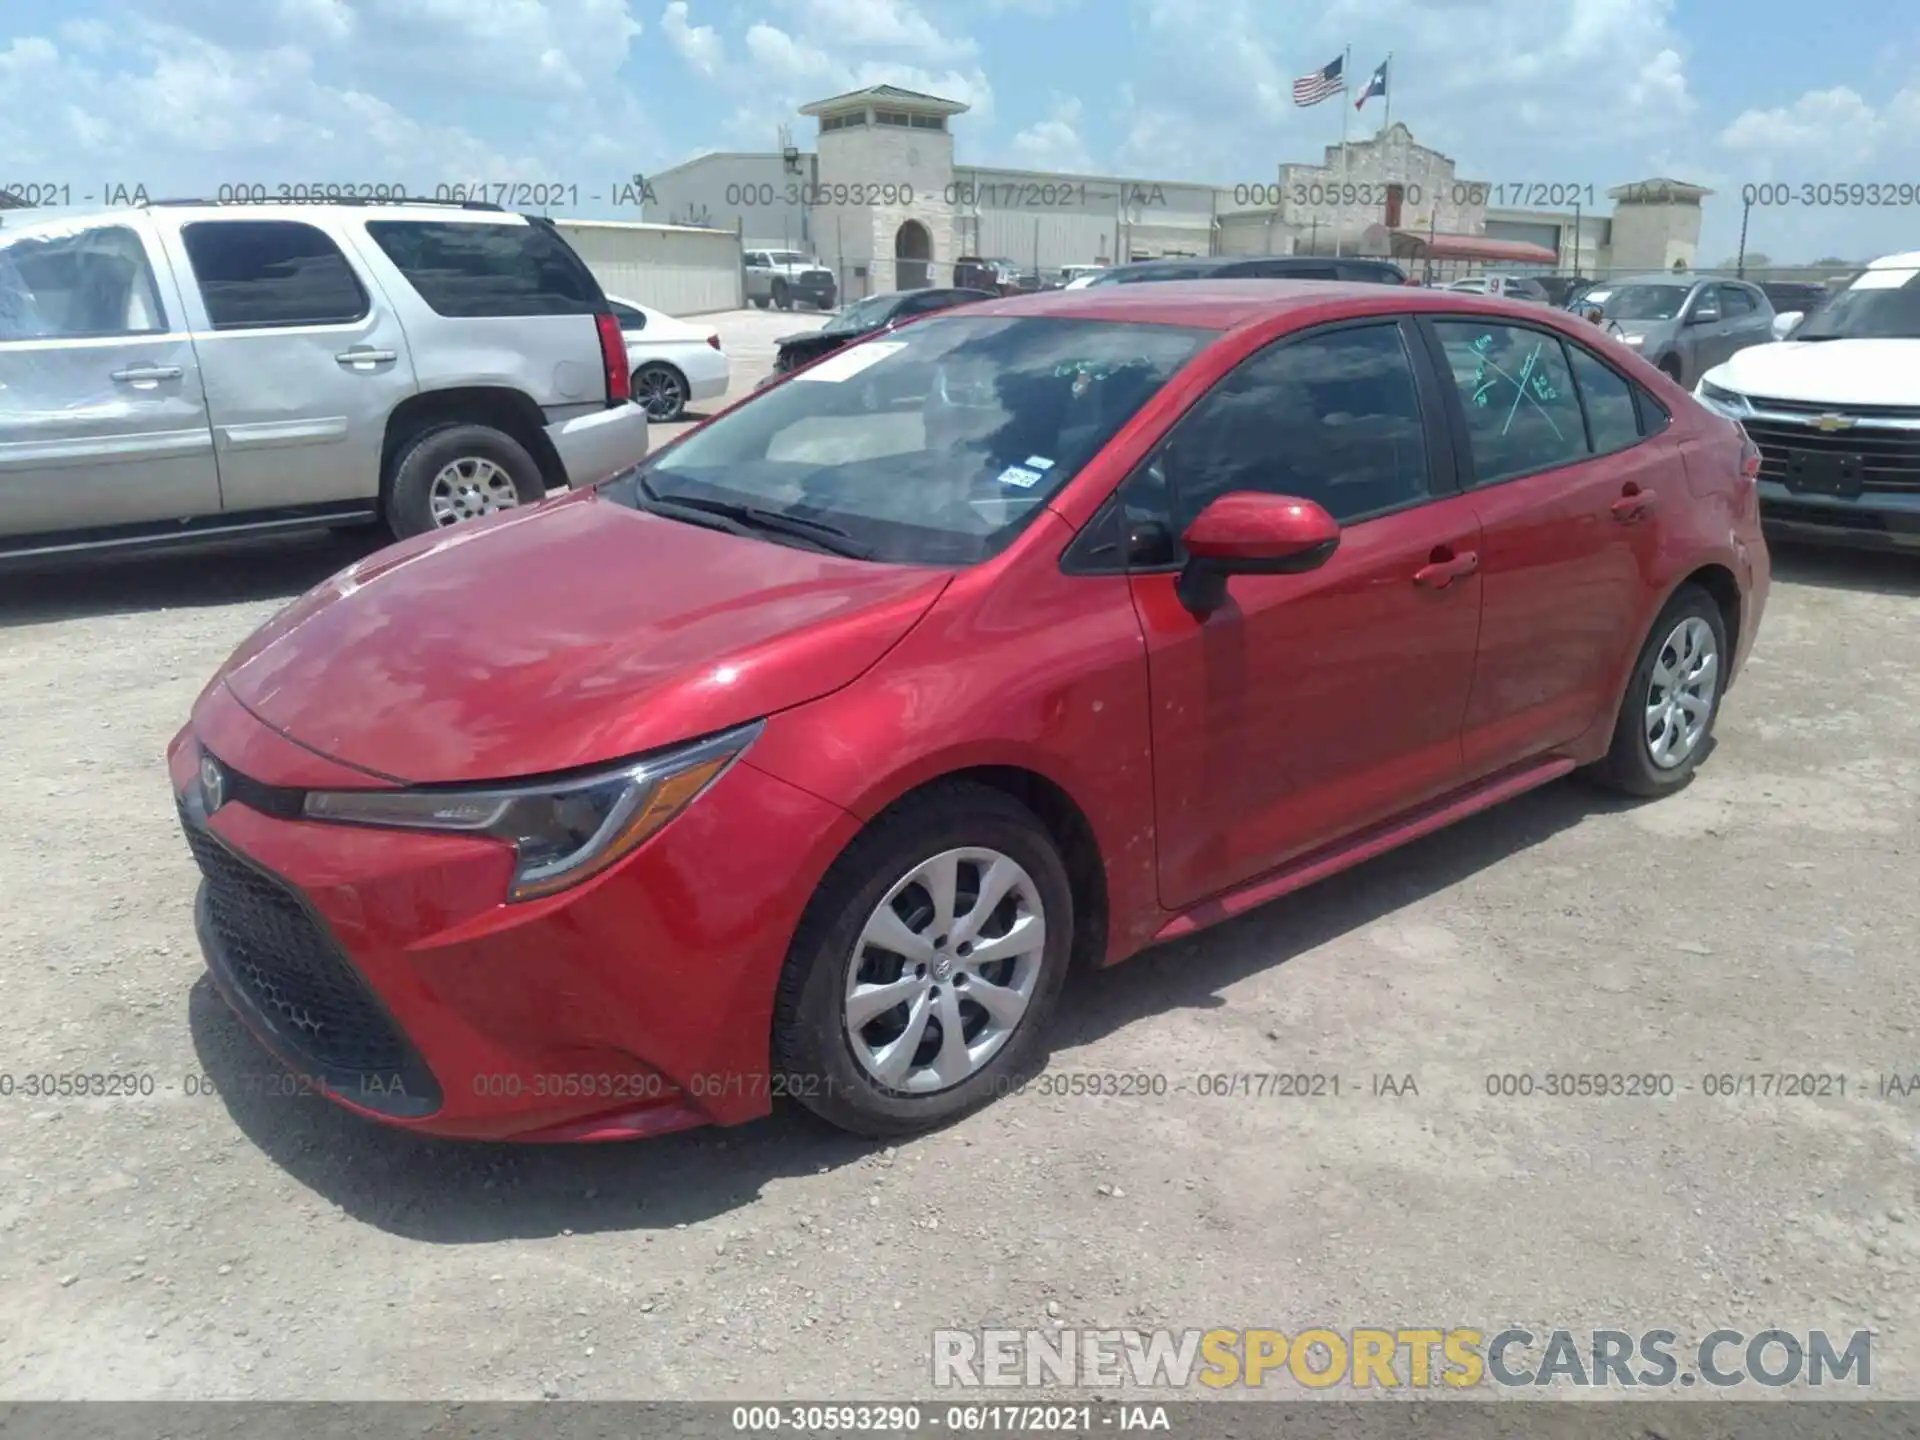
(469,269)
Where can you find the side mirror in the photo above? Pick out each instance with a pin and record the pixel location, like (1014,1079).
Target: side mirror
(1785,322)
(1248,532)
(1704,315)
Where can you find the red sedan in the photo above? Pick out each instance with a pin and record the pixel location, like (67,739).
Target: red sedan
(806,758)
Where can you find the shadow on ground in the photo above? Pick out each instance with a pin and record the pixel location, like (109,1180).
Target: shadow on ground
(1873,571)
(448,1192)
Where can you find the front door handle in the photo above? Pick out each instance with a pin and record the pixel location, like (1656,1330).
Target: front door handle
(135,374)
(1446,567)
(1631,507)
(365,356)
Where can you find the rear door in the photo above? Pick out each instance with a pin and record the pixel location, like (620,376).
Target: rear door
(1570,498)
(1310,705)
(302,355)
(1748,316)
(103,417)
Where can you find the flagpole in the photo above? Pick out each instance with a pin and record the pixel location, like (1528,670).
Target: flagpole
(1386,124)
(1346,162)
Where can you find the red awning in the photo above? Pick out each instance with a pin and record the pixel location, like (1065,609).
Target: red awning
(1415,245)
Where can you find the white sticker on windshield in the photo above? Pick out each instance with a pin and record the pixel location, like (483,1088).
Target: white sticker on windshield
(1884,279)
(1038,462)
(1017,475)
(851,361)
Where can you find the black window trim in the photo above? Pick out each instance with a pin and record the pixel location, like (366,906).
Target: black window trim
(232,326)
(1443,472)
(1457,410)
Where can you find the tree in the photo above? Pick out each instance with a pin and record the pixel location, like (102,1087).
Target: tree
(1754,259)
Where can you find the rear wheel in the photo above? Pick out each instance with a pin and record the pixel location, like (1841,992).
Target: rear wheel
(1670,366)
(661,391)
(781,296)
(459,472)
(928,963)
(760,302)
(1666,721)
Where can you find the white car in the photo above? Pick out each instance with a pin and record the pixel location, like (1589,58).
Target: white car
(1835,410)
(1078,277)
(673,363)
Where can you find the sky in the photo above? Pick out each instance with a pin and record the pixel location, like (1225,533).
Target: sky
(183,96)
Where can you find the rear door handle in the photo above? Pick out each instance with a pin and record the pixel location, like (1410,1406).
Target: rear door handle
(1438,574)
(134,374)
(364,356)
(1629,508)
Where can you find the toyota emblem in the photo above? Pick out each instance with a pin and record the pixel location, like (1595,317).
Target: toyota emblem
(213,783)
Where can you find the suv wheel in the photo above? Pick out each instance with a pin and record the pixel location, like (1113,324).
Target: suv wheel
(923,975)
(780,295)
(1666,721)
(459,472)
(661,391)
(1671,365)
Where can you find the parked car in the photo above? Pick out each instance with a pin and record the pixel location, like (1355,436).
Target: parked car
(1836,413)
(1802,297)
(1078,277)
(862,318)
(1038,632)
(1684,324)
(1001,277)
(789,277)
(1507,287)
(1560,289)
(177,371)
(672,362)
(1255,267)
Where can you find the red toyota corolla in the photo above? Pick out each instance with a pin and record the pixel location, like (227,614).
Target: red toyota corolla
(805,759)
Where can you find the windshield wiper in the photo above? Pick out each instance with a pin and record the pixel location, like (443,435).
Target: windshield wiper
(816,532)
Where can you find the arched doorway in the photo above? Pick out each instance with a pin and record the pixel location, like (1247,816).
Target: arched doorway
(912,250)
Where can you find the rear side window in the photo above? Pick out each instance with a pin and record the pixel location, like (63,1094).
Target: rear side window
(1736,301)
(258,274)
(1522,412)
(466,270)
(629,318)
(90,283)
(1609,403)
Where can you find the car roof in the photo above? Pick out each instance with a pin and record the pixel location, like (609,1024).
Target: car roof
(1669,277)
(270,210)
(1229,304)
(1906,260)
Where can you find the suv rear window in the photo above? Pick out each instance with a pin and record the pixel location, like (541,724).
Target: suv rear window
(474,269)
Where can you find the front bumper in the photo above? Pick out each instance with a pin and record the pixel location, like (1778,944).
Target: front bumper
(1878,520)
(604,442)
(385,967)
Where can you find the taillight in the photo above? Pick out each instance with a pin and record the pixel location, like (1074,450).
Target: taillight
(714,341)
(613,356)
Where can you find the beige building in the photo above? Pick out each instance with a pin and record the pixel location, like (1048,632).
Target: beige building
(882,200)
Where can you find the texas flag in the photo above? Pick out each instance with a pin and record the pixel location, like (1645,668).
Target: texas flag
(1376,86)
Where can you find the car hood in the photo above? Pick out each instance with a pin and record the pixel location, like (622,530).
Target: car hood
(572,633)
(810,337)
(1826,372)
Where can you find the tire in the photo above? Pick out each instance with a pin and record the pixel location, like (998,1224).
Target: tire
(814,1041)
(491,471)
(1670,367)
(1632,764)
(781,295)
(760,302)
(666,389)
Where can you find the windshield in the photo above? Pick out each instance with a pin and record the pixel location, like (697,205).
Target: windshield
(1880,305)
(933,446)
(862,314)
(790,257)
(1642,302)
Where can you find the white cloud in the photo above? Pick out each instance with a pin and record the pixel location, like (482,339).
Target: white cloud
(699,45)
(1055,143)
(1834,131)
(890,25)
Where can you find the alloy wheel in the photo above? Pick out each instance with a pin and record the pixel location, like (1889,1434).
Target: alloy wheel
(468,488)
(660,393)
(944,970)
(1680,693)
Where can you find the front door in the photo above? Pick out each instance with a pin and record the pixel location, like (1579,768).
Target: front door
(1310,705)
(103,421)
(303,360)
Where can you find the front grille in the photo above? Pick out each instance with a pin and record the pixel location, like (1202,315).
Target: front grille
(289,969)
(1889,459)
(1857,412)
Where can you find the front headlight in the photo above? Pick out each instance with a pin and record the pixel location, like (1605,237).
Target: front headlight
(1727,402)
(562,831)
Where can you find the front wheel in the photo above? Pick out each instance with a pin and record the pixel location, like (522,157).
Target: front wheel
(781,297)
(921,980)
(1666,721)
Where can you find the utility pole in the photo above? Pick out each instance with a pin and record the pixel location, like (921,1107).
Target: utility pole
(1740,260)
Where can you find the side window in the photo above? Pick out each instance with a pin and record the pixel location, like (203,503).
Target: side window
(629,318)
(1735,301)
(261,273)
(1522,413)
(1332,417)
(1706,305)
(468,269)
(1654,417)
(1609,402)
(66,287)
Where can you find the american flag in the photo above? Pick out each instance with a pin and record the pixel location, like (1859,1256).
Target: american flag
(1326,81)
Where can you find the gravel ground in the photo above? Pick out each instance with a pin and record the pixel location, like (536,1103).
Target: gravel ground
(219,1239)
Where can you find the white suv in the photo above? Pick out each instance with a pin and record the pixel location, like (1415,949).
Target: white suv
(1835,410)
(175,371)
